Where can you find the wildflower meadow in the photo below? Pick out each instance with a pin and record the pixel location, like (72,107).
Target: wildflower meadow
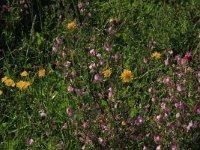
(100,75)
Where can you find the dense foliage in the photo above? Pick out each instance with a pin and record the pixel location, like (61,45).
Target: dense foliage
(78,74)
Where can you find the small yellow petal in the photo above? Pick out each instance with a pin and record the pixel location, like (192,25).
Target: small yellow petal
(24,74)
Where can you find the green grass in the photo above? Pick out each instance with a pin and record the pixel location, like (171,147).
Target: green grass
(130,119)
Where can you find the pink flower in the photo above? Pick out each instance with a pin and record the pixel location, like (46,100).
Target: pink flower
(101,62)
(70,88)
(158,147)
(156,139)
(145,60)
(166,61)
(73,73)
(145,148)
(165,116)
(115,57)
(86,124)
(180,74)
(163,105)
(92,67)
(180,88)
(158,117)
(55,48)
(178,58)
(140,119)
(108,47)
(177,115)
(80,5)
(197,108)
(179,105)
(93,52)
(83,147)
(110,30)
(88,141)
(190,125)
(147,108)
(58,40)
(68,63)
(30,141)
(188,56)
(78,92)
(170,52)
(174,147)
(98,77)
(110,94)
(65,126)
(166,80)
(81,139)
(63,54)
(154,98)
(70,112)
(183,61)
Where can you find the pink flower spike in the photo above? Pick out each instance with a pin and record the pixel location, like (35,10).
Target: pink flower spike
(98,77)
(58,40)
(180,88)
(86,124)
(88,141)
(63,54)
(65,126)
(108,47)
(167,61)
(70,112)
(70,88)
(188,56)
(145,60)
(158,147)
(55,48)
(177,115)
(116,57)
(174,147)
(93,52)
(83,147)
(68,63)
(145,148)
(156,139)
(30,141)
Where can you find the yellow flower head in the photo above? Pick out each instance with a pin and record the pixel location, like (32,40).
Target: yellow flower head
(22,85)
(71,25)
(41,73)
(156,55)
(126,75)
(9,82)
(107,73)
(4,79)
(1,92)
(24,74)
(123,123)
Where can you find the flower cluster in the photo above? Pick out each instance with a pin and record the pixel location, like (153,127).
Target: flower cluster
(8,82)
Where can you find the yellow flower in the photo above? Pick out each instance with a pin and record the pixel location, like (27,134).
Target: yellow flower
(126,75)
(156,55)
(24,74)
(1,92)
(9,82)
(71,25)
(23,85)
(41,73)
(27,84)
(107,73)
(123,123)
(4,79)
